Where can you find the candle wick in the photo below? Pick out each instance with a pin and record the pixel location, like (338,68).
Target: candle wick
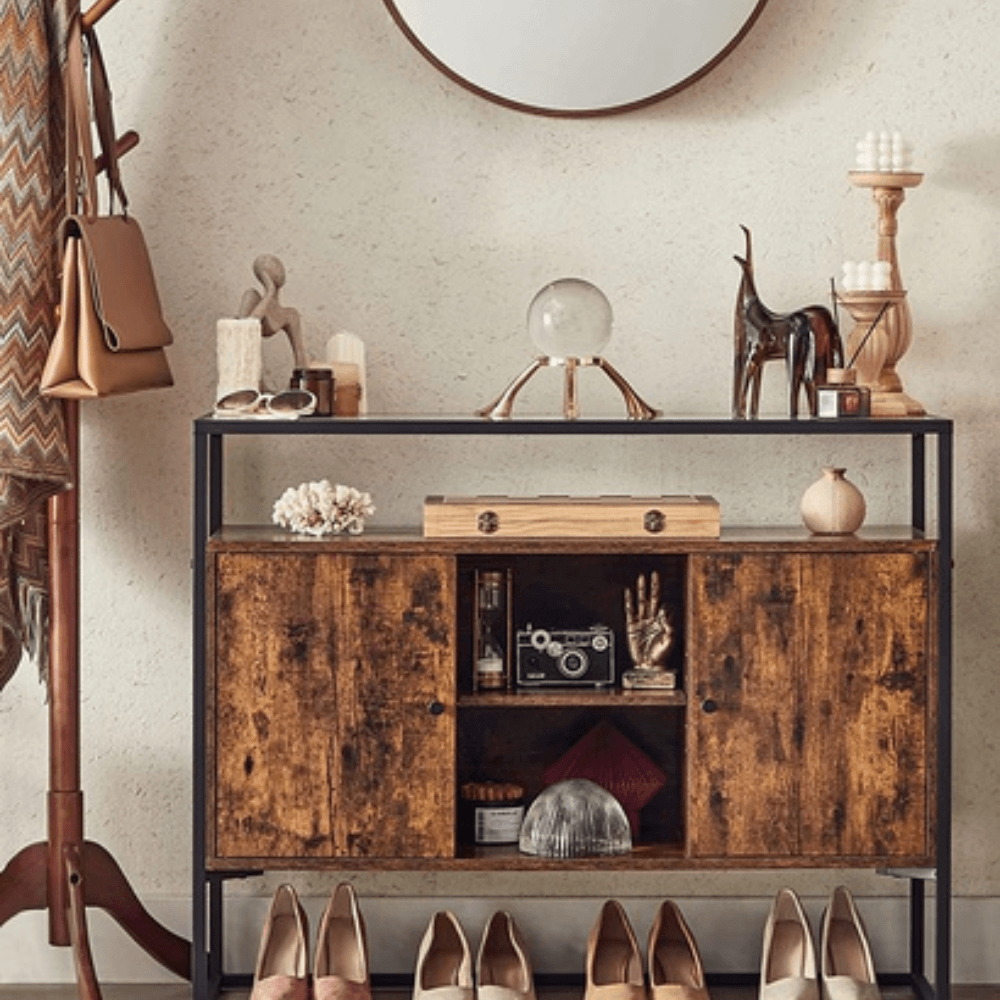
(864,339)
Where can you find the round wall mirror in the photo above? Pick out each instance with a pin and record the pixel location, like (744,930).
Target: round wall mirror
(575,57)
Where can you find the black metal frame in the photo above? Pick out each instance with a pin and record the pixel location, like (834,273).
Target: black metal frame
(210,433)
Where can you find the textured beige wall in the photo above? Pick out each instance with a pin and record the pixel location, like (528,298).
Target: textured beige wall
(423,219)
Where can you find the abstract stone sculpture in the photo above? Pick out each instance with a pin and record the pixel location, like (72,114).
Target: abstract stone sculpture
(273,316)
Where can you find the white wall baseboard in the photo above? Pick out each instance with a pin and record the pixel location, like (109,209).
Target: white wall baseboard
(728,931)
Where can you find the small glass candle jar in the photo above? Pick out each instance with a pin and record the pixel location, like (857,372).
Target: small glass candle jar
(318,381)
(490,813)
(841,397)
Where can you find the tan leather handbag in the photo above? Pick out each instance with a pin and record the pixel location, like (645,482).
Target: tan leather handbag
(110,336)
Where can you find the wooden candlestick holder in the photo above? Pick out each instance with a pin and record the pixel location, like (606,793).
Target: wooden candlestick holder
(889,340)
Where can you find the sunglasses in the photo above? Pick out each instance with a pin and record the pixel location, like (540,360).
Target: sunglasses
(249,403)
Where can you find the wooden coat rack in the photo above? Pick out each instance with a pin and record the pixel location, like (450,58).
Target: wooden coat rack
(66,873)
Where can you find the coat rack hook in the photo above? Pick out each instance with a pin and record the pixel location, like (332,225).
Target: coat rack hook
(93,14)
(125,144)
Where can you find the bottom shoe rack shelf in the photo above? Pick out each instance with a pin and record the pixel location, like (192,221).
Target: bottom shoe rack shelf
(337,717)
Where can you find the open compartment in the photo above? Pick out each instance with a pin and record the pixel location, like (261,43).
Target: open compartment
(518,746)
(571,599)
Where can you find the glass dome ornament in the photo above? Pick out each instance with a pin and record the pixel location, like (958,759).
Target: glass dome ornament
(575,819)
(570,323)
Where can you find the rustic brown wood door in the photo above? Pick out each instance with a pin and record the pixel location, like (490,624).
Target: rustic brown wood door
(869,706)
(332,717)
(743,798)
(812,706)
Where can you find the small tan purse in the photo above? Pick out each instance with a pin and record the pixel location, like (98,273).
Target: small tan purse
(110,336)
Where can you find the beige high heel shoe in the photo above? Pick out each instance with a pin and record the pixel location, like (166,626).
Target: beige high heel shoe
(788,963)
(340,966)
(614,965)
(503,969)
(846,965)
(673,960)
(444,963)
(283,957)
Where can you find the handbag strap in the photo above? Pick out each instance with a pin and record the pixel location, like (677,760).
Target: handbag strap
(81,173)
(104,116)
(81,179)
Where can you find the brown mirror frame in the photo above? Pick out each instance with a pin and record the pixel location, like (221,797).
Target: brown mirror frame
(672,86)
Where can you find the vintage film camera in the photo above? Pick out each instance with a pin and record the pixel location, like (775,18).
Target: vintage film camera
(583,657)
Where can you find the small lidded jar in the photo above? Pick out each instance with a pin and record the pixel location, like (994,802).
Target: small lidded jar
(318,381)
(490,813)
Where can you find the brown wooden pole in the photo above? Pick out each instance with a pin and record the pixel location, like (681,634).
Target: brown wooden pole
(65,799)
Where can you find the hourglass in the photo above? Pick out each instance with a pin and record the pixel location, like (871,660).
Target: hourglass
(569,321)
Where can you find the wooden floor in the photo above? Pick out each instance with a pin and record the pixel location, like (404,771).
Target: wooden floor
(182,992)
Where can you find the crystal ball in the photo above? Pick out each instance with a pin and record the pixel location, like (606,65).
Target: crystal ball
(570,318)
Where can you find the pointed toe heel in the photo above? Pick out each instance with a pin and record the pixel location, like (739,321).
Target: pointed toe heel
(281,972)
(846,966)
(614,965)
(444,962)
(674,963)
(503,968)
(788,962)
(340,967)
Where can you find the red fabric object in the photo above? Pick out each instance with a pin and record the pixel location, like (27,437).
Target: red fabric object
(608,759)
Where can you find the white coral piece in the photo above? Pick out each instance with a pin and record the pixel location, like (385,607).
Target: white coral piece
(322,509)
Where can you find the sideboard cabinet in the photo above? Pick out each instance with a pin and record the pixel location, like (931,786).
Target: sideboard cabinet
(337,717)
(342,719)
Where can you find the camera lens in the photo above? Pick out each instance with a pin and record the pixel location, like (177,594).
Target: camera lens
(540,638)
(573,663)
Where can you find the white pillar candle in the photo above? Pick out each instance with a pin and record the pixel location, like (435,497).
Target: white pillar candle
(238,355)
(850,276)
(349,348)
(866,275)
(883,152)
(881,275)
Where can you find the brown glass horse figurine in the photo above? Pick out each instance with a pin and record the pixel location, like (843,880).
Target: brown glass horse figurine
(807,340)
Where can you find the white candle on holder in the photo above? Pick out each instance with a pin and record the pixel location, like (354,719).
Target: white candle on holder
(881,275)
(867,276)
(884,152)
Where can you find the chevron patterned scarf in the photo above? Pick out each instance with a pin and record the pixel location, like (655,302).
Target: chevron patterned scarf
(34,461)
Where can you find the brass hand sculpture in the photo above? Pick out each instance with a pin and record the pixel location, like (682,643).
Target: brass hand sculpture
(650,635)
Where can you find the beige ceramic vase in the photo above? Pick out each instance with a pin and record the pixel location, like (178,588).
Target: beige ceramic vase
(832,505)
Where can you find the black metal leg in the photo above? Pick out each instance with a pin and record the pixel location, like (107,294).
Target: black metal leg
(207,916)
(215,947)
(942,901)
(214,483)
(199,957)
(918,481)
(918,964)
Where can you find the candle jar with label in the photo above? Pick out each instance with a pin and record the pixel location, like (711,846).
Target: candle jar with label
(490,813)
(841,396)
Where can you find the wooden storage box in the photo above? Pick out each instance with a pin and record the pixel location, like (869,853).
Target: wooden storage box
(571,517)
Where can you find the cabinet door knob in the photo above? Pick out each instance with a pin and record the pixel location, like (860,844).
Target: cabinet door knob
(709,705)
(435,708)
